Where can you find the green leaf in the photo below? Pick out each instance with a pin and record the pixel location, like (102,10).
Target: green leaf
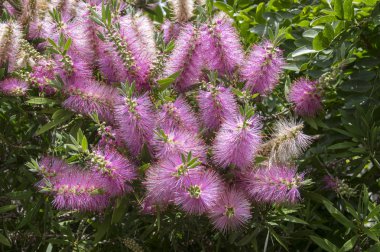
(320,42)
(324,243)
(328,32)
(84,144)
(59,117)
(302,51)
(348,245)
(294,219)
(8,208)
(4,240)
(119,210)
(348,9)
(338,8)
(67,44)
(165,83)
(339,216)
(322,20)
(40,101)
(343,145)
(259,13)
(224,7)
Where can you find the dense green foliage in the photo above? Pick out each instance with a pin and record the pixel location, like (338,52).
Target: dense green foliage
(336,42)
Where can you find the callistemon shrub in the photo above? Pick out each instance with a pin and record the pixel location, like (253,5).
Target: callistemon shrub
(173,117)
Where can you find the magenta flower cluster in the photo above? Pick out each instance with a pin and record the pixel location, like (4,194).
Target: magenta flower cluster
(202,148)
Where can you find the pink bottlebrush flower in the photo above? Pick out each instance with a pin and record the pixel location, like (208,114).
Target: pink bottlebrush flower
(263,68)
(221,45)
(110,63)
(138,39)
(215,106)
(167,177)
(10,43)
(275,184)
(135,118)
(42,73)
(306,97)
(178,115)
(89,96)
(51,166)
(10,9)
(330,182)
(13,87)
(117,169)
(231,211)
(170,31)
(199,192)
(79,190)
(71,68)
(168,142)
(237,142)
(186,58)
(109,137)
(145,33)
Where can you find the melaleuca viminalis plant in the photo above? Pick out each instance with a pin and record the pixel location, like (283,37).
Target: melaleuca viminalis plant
(174,105)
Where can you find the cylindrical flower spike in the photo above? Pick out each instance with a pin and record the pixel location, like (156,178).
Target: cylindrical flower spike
(169,142)
(114,167)
(221,45)
(231,211)
(263,68)
(186,58)
(183,9)
(305,96)
(88,96)
(275,184)
(168,176)
(136,121)
(178,115)
(237,142)
(10,42)
(170,30)
(215,106)
(199,192)
(288,142)
(13,87)
(79,190)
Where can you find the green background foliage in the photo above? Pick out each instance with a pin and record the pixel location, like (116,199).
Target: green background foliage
(337,42)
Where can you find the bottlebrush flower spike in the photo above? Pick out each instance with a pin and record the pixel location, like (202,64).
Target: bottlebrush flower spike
(178,115)
(288,141)
(111,165)
(136,120)
(306,97)
(10,41)
(79,190)
(168,142)
(168,175)
(263,68)
(237,141)
(88,96)
(51,166)
(13,87)
(274,184)
(199,192)
(221,44)
(231,211)
(186,58)
(41,75)
(183,9)
(170,30)
(215,106)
